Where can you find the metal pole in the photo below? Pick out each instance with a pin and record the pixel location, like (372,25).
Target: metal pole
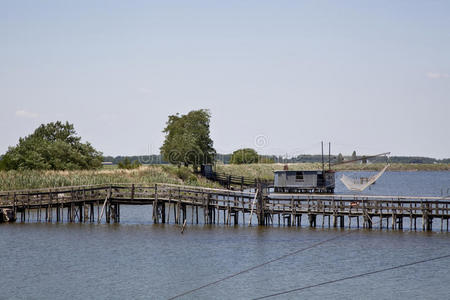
(323,164)
(329,155)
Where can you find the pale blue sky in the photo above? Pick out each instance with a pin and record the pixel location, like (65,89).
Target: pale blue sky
(367,75)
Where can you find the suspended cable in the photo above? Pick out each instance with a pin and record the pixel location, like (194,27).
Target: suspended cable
(352,277)
(260,265)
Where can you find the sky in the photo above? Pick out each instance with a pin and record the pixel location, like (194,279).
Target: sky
(277,76)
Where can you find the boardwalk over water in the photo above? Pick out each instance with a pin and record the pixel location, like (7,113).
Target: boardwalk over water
(195,205)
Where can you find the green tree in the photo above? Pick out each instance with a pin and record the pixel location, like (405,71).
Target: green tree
(187,140)
(364,160)
(354,155)
(340,158)
(244,156)
(127,164)
(52,146)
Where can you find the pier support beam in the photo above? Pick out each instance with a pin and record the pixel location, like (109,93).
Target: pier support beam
(312,220)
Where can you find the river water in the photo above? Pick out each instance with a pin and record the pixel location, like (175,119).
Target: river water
(136,259)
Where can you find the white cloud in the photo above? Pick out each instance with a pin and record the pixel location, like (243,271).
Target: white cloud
(26,114)
(434,75)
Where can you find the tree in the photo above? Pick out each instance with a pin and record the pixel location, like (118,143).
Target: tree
(340,158)
(244,156)
(354,155)
(187,139)
(52,146)
(127,164)
(364,160)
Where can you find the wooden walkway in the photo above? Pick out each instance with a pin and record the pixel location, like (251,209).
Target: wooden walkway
(228,180)
(195,205)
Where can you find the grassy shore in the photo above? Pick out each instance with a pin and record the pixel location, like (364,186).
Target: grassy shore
(16,180)
(265,171)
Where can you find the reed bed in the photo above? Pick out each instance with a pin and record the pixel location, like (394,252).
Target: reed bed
(19,180)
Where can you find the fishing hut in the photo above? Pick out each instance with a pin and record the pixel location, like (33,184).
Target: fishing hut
(319,181)
(305,181)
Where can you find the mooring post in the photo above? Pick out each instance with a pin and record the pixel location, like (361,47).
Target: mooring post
(260,204)
(207,209)
(168,209)
(178,207)
(292,219)
(15,204)
(163,212)
(28,198)
(91,215)
(155,205)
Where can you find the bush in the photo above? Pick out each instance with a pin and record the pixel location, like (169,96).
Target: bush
(184,173)
(126,164)
(52,146)
(244,156)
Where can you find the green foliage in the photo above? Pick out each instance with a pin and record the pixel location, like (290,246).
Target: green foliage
(187,139)
(244,156)
(354,155)
(127,164)
(183,173)
(53,146)
(340,158)
(144,159)
(263,159)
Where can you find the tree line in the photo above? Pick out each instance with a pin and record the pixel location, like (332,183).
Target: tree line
(56,146)
(304,158)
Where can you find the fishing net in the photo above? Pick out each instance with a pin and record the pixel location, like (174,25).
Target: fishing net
(360,184)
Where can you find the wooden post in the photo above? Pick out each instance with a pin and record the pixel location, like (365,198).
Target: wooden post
(292,223)
(205,211)
(192,209)
(260,205)
(163,212)
(208,209)
(196,212)
(91,215)
(178,207)
(155,206)
(168,209)
(183,206)
(333,208)
(243,209)
(28,206)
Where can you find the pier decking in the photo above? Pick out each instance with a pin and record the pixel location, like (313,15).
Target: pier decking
(220,206)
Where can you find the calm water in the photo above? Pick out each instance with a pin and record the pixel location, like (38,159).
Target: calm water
(143,261)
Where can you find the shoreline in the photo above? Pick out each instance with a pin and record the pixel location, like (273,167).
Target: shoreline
(147,174)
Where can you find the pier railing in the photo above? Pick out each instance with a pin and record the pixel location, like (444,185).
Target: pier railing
(227,180)
(91,203)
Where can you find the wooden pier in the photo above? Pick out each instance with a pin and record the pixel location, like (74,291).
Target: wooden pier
(196,205)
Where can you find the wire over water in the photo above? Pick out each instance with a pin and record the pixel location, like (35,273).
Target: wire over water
(352,277)
(260,265)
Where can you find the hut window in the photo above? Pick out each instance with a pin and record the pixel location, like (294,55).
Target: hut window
(299,176)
